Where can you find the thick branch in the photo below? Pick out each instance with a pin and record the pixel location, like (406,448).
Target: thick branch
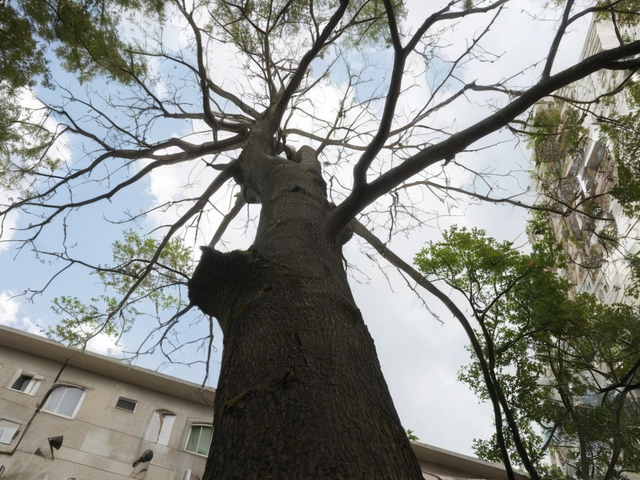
(305,61)
(447,149)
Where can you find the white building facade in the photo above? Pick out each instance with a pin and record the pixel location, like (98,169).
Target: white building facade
(68,414)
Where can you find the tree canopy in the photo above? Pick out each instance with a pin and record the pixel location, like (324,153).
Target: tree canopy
(562,367)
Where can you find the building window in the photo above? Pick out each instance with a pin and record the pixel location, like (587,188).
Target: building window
(8,430)
(65,400)
(199,439)
(160,426)
(25,382)
(126,404)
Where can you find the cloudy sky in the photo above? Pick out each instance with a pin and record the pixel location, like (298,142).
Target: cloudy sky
(420,354)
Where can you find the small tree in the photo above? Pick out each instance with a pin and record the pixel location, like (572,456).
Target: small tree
(560,368)
(300,392)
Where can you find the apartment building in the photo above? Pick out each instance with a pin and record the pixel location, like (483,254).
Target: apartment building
(596,244)
(595,233)
(68,414)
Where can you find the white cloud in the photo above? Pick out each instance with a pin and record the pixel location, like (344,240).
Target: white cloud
(7,224)
(9,314)
(9,308)
(106,345)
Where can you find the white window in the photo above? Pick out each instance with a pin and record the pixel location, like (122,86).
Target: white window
(8,430)
(65,400)
(25,382)
(160,425)
(200,439)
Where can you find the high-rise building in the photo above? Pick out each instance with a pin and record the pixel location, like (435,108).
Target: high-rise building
(595,233)
(575,173)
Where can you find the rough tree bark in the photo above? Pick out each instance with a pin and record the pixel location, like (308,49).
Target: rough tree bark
(301,393)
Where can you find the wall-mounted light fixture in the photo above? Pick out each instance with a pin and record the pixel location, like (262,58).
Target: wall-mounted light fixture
(55,442)
(146,456)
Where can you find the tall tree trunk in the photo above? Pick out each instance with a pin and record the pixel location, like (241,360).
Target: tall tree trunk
(301,393)
(584,459)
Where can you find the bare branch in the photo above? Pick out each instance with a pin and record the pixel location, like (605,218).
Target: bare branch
(397,262)
(305,61)
(240,202)
(448,148)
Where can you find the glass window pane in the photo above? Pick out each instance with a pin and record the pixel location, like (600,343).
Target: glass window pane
(64,400)
(205,440)
(126,404)
(165,429)
(200,439)
(70,401)
(22,383)
(54,399)
(8,430)
(194,436)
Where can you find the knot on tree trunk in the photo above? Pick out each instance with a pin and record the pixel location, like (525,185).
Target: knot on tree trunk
(215,283)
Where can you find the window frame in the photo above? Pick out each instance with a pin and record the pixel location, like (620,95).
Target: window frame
(45,407)
(163,434)
(34,382)
(135,404)
(189,438)
(16,426)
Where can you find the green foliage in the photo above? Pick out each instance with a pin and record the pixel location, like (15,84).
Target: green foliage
(412,436)
(556,133)
(84,35)
(623,139)
(512,296)
(248,24)
(633,261)
(624,13)
(370,26)
(479,266)
(550,355)
(22,57)
(132,255)
(543,238)
(26,153)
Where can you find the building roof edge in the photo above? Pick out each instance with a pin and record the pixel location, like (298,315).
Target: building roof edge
(104,365)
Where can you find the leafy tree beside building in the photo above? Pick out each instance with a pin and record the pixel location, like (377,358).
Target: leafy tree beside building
(564,369)
(561,363)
